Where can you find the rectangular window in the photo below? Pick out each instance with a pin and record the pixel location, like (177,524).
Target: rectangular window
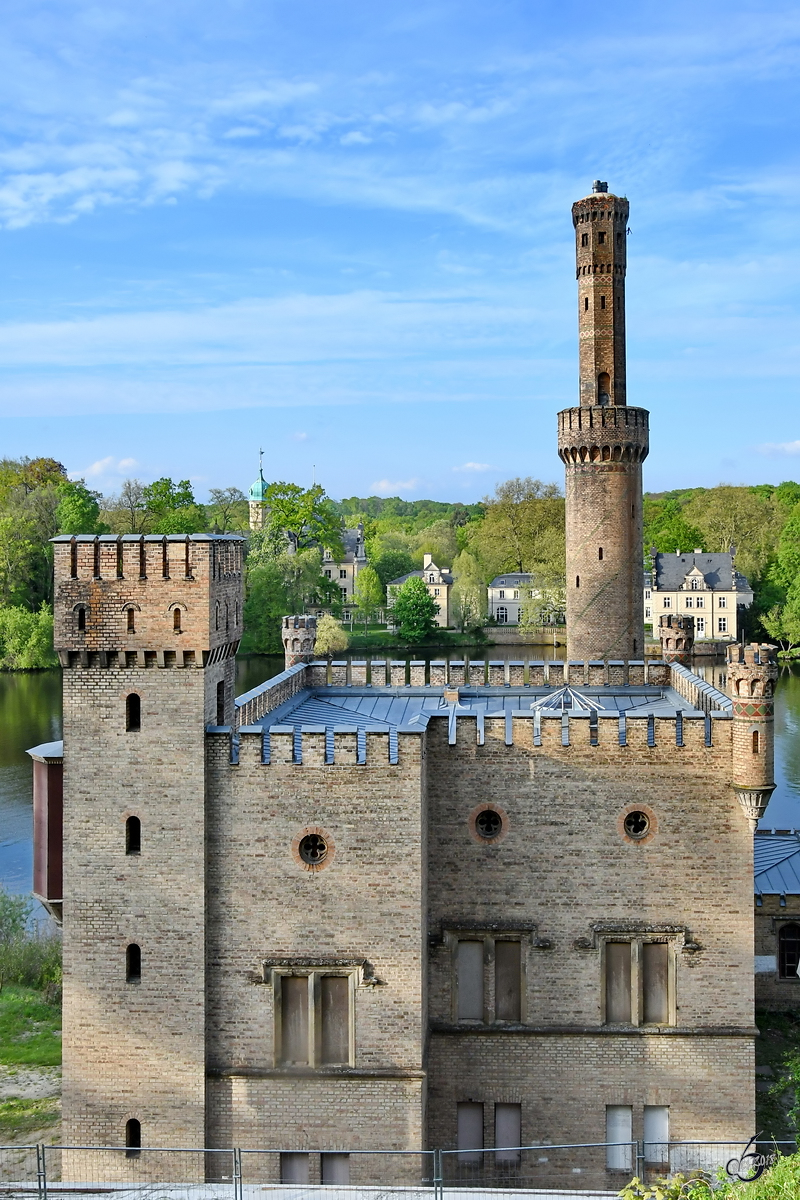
(335,1168)
(647,594)
(699,624)
(695,585)
(667,602)
(487,967)
(507,980)
(690,601)
(647,614)
(507,1132)
(470,981)
(436,591)
(619,1135)
(722,602)
(470,1132)
(313,1019)
(700,601)
(343,574)
(516,595)
(656,1134)
(502,594)
(722,624)
(638,987)
(327,574)
(294,1168)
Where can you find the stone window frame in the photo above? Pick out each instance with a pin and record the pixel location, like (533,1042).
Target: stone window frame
(778,923)
(637,939)
(476,812)
(313,868)
(354,973)
(527,938)
(637,806)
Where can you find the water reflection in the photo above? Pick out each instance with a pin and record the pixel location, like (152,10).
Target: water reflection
(30,712)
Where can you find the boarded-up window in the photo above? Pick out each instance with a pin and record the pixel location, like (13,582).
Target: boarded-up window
(619,1134)
(470,981)
(618,982)
(335,1168)
(656,1134)
(294,1168)
(470,1132)
(655,983)
(507,981)
(507,1132)
(335,1018)
(294,1020)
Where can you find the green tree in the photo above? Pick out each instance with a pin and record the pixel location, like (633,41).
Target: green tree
(307,515)
(737,516)
(26,639)
(127,512)
(78,509)
(523,529)
(667,529)
(228,510)
(277,587)
(439,540)
(544,603)
(415,610)
(368,592)
(391,564)
(172,508)
(469,592)
(331,637)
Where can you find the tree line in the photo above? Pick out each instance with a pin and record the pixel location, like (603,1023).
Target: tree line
(520,527)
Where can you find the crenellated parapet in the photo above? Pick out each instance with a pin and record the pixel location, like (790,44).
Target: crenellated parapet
(676,633)
(299,636)
(603,435)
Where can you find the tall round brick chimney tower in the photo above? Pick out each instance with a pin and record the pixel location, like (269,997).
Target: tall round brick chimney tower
(603,444)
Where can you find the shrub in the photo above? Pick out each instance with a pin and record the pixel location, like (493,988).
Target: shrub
(26,639)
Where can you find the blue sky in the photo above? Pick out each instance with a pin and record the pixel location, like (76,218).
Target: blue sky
(341,231)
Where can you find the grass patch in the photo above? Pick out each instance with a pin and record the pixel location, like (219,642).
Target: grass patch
(30,1028)
(24,1116)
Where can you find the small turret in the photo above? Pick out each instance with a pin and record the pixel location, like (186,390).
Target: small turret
(752,673)
(299,635)
(677,637)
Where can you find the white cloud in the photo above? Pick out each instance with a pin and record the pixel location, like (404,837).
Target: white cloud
(780,448)
(300,437)
(472,466)
(387,487)
(355,138)
(105,467)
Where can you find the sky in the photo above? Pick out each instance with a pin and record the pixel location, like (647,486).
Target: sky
(340,231)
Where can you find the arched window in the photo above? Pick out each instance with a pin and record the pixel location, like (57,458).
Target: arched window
(502,615)
(81,615)
(755,741)
(133,963)
(131,616)
(133,713)
(133,836)
(176,620)
(788,950)
(604,387)
(133,1138)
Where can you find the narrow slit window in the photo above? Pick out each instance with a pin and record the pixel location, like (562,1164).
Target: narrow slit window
(221,702)
(73,560)
(133,963)
(755,741)
(133,835)
(164,560)
(601,237)
(133,713)
(507,980)
(142,560)
(335,1018)
(508,1133)
(294,1020)
(82,620)
(600,553)
(585,303)
(470,981)
(602,301)
(577,581)
(96,567)
(470,1132)
(584,239)
(176,620)
(133,1138)
(131,615)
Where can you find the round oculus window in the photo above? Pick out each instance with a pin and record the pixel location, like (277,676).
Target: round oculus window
(488,823)
(313,849)
(637,824)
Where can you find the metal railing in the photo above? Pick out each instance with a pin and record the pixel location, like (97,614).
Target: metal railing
(586,1170)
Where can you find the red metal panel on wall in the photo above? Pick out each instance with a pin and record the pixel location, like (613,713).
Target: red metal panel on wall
(47,829)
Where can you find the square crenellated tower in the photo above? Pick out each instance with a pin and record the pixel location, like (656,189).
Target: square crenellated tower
(146,629)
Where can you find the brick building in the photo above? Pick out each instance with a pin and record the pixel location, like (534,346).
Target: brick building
(390,906)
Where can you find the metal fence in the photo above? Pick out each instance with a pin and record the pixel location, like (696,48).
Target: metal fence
(585,1171)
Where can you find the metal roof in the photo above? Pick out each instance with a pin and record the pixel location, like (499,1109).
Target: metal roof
(777,863)
(510,579)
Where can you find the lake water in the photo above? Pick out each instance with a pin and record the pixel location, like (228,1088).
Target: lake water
(30,713)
